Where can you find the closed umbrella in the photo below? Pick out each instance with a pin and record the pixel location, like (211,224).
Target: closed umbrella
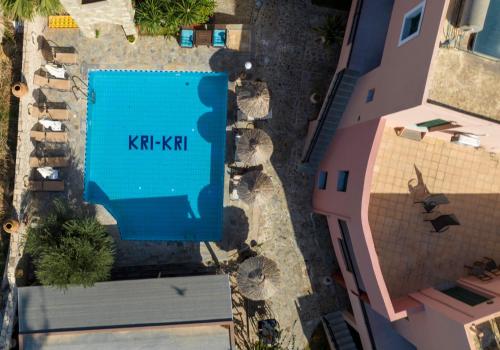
(253,99)
(258,278)
(255,186)
(253,147)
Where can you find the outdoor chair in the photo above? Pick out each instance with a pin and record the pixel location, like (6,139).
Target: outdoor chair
(489,265)
(433,200)
(56,162)
(46,185)
(41,112)
(186,38)
(45,80)
(49,136)
(478,272)
(219,36)
(443,222)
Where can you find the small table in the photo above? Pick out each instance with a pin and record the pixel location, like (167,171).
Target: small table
(203,37)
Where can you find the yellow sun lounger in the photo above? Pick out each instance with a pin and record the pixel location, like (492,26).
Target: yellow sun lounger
(55,162)
(52,113)
(43,79)
(49,136)
(62,22)
(46,185)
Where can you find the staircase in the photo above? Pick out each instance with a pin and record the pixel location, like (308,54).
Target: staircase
(337,332)
(330,115)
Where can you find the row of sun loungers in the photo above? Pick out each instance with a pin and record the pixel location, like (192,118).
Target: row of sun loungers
(53,76)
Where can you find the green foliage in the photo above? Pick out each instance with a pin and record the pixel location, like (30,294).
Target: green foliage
(70,250)
(165,17)
(97,33)
(27,9)
(333,30)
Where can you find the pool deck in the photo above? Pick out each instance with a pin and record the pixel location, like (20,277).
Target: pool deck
(287,54)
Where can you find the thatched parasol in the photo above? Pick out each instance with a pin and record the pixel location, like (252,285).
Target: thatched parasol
(258,278)
(255,186)
(253,147)
(253,99)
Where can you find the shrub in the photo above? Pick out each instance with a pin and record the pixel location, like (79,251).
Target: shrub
(27,9)
(333,30)
(165,17)
(70,250)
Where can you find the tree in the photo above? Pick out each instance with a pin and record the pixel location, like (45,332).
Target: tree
(27,9)
(68,249)
(333,31)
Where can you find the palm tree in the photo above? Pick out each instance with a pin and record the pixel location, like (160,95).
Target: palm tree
(70,250)
(27,9)
(189,12)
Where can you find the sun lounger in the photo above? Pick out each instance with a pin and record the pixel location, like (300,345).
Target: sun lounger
(443,222)
(49,136)
(186,38)
(56,162)
(46,185)
(65,55)
(219,36)
(52,113)
(479,272)
(43,79)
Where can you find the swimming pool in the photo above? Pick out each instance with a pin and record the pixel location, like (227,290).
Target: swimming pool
(155,152)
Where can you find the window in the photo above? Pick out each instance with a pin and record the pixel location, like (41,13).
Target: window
(465,295)
(342,181)
(371,94)
(412,22)
(322,178)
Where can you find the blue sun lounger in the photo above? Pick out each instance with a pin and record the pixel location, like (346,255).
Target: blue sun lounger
(186,38)
(219,38)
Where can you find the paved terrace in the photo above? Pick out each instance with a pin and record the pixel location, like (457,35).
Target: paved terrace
(287,54)
(462,79)
(412,257)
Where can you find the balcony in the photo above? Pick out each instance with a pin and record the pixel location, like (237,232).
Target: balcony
(411,256)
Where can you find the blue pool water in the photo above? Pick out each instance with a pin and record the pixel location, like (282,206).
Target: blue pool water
(155,152)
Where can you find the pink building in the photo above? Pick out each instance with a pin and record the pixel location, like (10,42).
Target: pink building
(406,149)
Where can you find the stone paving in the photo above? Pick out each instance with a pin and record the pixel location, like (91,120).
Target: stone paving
(287,54)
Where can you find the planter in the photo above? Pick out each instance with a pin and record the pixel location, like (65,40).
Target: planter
(131,39)
(314,98)
(11,226)
(19,89)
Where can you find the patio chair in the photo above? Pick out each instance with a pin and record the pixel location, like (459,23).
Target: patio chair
(219,36)
(65,55)
(478,272)
(41,112)
(490,265)
(186,38)
(56,162)
(46,185)
(443,222)
(433,200)
(45,80)
(49,136)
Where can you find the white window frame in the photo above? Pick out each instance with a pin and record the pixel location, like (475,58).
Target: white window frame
(419,8)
